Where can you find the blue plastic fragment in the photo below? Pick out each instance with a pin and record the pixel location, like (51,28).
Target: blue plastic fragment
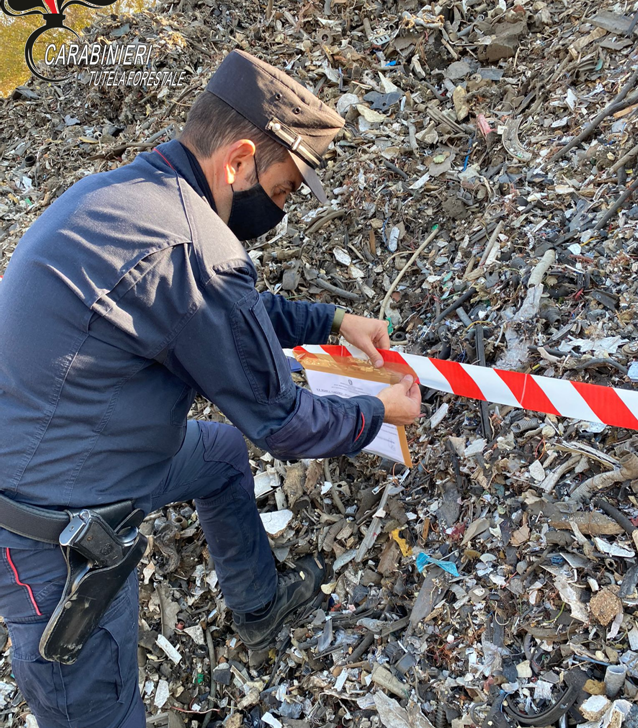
(294,365)
(422,560)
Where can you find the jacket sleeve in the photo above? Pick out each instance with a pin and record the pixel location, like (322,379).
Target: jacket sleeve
(229,351)
(298,322)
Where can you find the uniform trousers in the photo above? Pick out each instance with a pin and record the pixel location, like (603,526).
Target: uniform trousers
(100,690)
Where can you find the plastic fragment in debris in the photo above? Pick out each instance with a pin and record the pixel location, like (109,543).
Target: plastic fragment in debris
(406,549)
(537,471)
(197,633)
(265,482)
(524,669)
(161,694)
(341,256)
(439,415)
(422,560)
(475,448)
(276,522)
(476,528)
(457,70)
(614,679)
(382,101)
(441,163)
(613,549)
(630,660)
(571,596)
(386,680)
(325,638)
(520,536)
(542,690)
(613,717)
(392,715)
(344,559)
(632,373)
(460,103)
(420,182)
(393,238)
(372,625)
(222,674)
(5,690)
(511,142)
(171,652)
(371,116)
(270,719)
(365,702)
(341,680)
(345,102)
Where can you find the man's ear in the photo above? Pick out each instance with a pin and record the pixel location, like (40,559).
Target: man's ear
(239,153)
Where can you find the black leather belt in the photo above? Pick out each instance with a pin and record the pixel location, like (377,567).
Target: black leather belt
(46,525)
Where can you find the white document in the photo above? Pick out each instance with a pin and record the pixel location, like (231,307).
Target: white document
(387,443)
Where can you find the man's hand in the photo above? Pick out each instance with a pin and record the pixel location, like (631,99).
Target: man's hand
(366,334)
(402,402)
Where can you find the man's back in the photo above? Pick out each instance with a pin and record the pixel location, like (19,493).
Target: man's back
(82,401)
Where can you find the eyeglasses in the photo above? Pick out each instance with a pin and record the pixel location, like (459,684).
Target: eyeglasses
(295,143)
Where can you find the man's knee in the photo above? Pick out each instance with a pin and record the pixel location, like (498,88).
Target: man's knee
(225,446)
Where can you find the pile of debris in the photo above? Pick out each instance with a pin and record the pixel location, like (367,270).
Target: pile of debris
(495,582)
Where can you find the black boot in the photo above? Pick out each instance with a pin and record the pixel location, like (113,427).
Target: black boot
(296,588)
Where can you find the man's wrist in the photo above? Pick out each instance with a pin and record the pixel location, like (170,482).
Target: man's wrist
(337,321)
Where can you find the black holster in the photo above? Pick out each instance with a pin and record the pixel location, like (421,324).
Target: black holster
(99,560)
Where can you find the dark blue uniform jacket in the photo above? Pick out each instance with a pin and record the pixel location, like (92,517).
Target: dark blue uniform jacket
(126,297)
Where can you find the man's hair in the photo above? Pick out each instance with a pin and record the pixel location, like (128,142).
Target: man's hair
(212,123)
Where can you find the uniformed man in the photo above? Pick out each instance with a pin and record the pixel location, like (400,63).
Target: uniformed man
(127,296)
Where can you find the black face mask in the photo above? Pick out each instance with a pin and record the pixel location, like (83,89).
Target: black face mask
(253,213)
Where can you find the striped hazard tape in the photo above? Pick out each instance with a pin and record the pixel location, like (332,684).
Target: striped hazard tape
(589,402)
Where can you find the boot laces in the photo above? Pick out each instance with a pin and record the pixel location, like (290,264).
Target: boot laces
(289,577)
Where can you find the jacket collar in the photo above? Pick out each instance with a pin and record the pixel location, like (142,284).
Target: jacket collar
(175,155)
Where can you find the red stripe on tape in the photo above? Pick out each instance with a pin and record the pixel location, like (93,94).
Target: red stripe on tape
(607,405)
(460,381)
(336,350)
(528,392)
(392,357)
(304,352)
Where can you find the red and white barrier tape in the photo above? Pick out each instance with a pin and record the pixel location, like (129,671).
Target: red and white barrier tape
(590,402)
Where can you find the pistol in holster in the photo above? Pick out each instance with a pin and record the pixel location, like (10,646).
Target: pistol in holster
(99,560)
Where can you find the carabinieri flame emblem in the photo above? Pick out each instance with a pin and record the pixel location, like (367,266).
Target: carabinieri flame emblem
(53,13)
